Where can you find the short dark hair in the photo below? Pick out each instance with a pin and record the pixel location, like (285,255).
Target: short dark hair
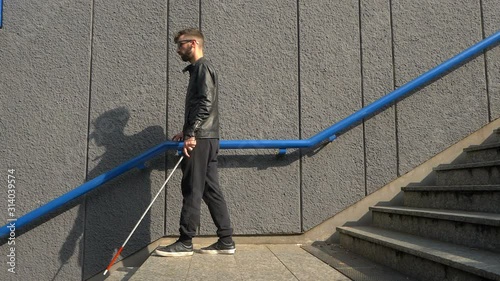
(191,32)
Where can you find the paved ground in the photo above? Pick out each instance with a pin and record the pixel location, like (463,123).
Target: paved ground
(251,262)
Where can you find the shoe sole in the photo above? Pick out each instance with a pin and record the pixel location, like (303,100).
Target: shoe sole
(218,252)
(173,254)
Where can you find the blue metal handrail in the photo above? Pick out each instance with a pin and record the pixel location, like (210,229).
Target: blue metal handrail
(328,134)
(1,13)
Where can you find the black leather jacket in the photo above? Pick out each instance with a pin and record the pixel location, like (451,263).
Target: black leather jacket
(201,115)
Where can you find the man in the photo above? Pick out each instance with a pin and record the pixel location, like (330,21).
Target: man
(201,146)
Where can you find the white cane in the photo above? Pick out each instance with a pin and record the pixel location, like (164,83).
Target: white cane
(143,215)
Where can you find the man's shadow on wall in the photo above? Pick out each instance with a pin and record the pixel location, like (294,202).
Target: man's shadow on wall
(107,215)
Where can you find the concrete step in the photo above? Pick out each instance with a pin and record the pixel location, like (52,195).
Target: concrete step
(352,265)
(469,173)
(494,137)
(472,229)
(484,152)
(421,258)
(474,198)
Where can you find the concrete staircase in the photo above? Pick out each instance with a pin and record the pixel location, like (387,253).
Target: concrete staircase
(446,231)
(445,228)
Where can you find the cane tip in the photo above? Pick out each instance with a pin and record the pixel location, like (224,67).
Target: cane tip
(105,271)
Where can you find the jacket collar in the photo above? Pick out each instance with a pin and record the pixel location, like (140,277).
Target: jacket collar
(191,67)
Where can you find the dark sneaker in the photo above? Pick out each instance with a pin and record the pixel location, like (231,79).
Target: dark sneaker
(219,247)
(177,249)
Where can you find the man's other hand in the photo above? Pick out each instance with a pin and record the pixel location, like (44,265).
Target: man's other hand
(178,137)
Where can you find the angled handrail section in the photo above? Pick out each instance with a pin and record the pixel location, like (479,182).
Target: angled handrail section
(329,134)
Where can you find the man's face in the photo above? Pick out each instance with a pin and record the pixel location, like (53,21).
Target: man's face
(185,48)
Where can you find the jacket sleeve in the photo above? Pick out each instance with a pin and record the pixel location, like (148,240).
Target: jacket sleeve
(202,102)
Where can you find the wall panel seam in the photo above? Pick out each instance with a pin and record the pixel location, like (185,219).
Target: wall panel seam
(299,94)
(361,70)
(167,78)
(486,76)
(92,16)
(199,15)
(393,56)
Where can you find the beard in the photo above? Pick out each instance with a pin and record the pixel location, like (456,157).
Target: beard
(187,55)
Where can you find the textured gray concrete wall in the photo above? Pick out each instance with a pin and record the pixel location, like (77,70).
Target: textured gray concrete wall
(378,79)
(332,177)
(254,45)
(44,86)
(456,105)
(87,85)
(491,21)
(127,113)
